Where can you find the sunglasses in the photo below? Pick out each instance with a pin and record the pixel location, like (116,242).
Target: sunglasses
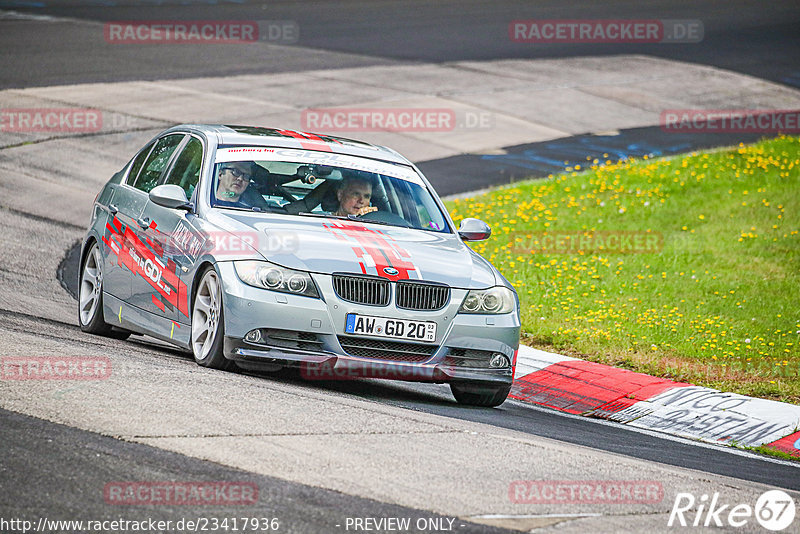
(236,172)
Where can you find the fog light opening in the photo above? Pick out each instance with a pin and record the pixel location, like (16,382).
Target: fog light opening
(254,336)
(499,361)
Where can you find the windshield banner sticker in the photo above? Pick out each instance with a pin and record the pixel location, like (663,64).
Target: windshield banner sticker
(225,155)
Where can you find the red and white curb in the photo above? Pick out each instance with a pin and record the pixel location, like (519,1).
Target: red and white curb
(595,390)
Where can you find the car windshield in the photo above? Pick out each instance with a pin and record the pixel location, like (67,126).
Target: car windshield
(315,184)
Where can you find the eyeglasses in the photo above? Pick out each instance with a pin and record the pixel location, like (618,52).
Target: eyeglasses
(237,173)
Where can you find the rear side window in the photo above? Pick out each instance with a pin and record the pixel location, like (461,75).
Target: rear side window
(186,171)
(137,164)
(156,162)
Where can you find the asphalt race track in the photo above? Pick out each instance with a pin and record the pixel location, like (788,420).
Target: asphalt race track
(744,36)
(322,453)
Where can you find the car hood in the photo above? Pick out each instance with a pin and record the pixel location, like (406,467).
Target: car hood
(328,245)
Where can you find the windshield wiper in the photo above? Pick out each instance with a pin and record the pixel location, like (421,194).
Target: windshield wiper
(325,215)
(242,208)
(344,218)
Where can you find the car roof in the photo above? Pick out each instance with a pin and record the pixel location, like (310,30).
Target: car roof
(259,136)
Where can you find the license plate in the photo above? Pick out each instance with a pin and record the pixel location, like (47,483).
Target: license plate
(393,328)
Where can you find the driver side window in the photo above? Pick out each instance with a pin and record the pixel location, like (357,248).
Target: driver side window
(156,162)
(136,166)
(186,171)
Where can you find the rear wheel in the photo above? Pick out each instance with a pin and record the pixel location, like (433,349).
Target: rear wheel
(90,297)
(208,328)
(488,396)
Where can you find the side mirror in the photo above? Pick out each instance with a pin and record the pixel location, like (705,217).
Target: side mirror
(170,196)
(474,230)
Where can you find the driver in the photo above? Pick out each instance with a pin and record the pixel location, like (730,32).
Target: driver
(233,180)
(354,195)
(234,177)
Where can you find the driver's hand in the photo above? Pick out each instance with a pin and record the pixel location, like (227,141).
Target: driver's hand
(365,210)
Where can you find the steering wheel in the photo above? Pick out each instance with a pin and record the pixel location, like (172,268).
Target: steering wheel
(286,195)
(385,217)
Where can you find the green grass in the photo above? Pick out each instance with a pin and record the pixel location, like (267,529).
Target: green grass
(715,298)
(775,453)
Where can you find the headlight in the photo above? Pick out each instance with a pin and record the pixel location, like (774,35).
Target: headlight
(493,300)
(269,276)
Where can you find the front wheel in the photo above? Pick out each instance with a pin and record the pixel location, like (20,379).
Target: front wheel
(90,297)
(488,396)
(208,328)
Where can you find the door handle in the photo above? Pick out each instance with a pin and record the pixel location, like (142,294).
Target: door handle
(112,209)
(144,223)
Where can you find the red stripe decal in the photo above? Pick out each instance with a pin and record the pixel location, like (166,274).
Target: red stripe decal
(308,141)
(163,279)
(158,303)
(373,248)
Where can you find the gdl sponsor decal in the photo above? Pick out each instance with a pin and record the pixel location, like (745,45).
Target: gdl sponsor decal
(150,269)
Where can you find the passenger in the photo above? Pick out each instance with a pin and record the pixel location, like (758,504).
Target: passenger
(354,194)
(349,196)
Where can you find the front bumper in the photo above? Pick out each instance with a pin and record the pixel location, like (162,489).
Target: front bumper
(332,366)
(309,334)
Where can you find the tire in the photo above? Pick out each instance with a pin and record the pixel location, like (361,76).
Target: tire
(480,395)
(208,325)
(90,297)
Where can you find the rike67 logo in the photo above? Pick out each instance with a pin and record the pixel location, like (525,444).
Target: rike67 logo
(774,510)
